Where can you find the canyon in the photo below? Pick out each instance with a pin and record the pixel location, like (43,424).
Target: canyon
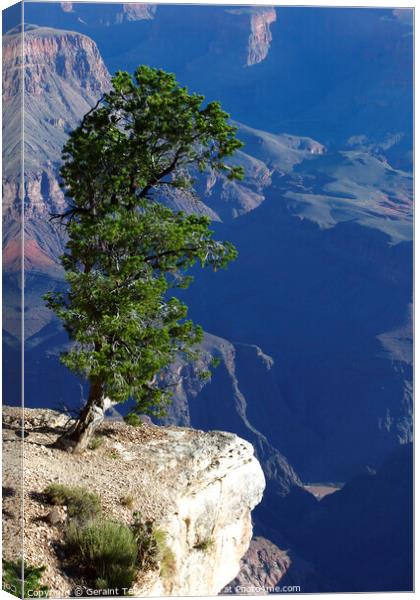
(312,323)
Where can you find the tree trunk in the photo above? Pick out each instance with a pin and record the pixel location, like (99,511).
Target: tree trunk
(77,438)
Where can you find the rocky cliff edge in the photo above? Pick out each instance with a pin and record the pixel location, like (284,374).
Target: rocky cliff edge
(198,487)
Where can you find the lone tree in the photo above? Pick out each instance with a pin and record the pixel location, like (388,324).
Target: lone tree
(126,251)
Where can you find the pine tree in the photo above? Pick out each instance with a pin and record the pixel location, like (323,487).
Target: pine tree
(127,252)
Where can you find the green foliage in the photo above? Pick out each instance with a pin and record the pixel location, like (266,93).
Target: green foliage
(95,443)
(166,556)
(81,503)
(215,362)
(126,251)
(107,550)
(204,375)
(204,545)
(127,500)
(148,550)
(112,553)
(12,579)
(153,551)
(133,420)
(146,129)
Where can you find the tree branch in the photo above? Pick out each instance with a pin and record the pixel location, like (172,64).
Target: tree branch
(171,253)
(92,109)
(71,212)
(162,174)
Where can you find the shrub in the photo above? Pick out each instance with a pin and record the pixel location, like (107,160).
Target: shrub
(81,503)
(166,556)
(153,551)
(127,500)
(133,419)
(101,584)
(147,548)
(95,443)
(111,553)
(107,549)
(204,545)
(32,587)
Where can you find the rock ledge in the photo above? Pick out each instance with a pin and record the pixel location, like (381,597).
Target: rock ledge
(199,488)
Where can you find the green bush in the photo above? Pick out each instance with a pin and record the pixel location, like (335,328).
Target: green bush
(111,553)
(107,549)
(32,587)
(95,443)
(166,557)
(133,419)
(204,545)
(114,454)
(153,551)
(127,500)
(81,503)
(147,547)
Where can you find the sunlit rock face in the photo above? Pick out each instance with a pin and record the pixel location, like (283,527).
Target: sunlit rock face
(257,20)
(219,482)
(260,37)
(63,75)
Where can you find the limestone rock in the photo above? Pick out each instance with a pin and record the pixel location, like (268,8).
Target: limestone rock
(198,488)
(218,483)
